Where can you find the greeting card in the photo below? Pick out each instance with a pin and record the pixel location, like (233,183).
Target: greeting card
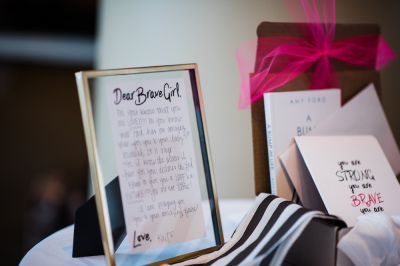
(347,176)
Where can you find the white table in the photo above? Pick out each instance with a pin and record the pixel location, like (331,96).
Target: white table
(57,248)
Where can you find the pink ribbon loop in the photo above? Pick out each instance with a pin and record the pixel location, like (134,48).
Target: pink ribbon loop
(283,58)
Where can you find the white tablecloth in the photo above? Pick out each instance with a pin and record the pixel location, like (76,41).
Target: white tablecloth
(57,248)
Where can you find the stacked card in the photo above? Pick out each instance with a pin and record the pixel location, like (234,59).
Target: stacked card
(346,165)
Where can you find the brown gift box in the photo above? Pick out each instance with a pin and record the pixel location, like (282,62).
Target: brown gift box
(352,80)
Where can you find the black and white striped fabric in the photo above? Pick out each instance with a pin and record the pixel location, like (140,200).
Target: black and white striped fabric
(265,234)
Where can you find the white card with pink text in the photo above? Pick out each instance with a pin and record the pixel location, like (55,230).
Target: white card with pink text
(352,175)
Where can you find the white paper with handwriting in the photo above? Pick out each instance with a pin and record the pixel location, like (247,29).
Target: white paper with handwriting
(351,173)
(156,163)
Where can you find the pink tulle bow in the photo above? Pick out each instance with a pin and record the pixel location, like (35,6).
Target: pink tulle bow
(285,57)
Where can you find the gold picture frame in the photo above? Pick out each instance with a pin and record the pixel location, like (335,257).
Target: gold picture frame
(91,89)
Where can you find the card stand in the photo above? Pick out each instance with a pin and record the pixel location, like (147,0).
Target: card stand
(87,237)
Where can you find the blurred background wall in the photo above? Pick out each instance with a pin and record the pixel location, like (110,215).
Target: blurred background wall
(43,43)
(43,159)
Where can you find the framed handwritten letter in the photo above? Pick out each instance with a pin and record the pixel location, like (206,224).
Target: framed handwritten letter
(146,126)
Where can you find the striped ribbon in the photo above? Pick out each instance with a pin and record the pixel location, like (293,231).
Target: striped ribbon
(265,235)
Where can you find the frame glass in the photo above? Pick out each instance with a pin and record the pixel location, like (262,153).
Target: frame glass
(146,126)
